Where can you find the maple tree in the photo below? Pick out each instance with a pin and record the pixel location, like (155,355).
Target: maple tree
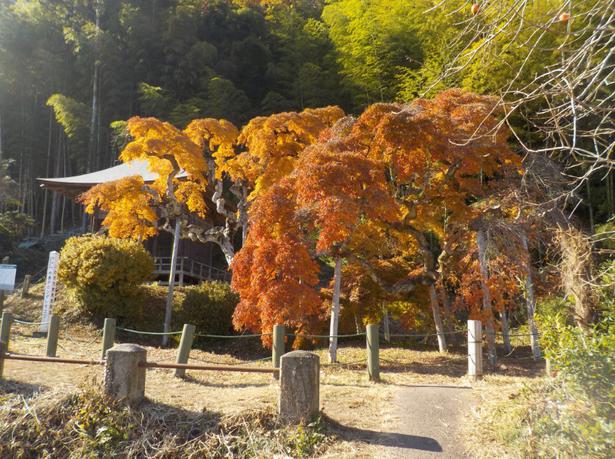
(196,167)
(430,159)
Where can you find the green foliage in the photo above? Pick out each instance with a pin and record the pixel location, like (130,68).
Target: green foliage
(71,114)
(13,226)
(209,306)
(547,418)
(104,274)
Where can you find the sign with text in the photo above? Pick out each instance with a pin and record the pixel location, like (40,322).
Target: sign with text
(7,277)
(50,289)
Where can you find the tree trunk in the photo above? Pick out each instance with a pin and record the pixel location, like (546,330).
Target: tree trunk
(386,326)
(449,319)
(489,327)
(530,301)
(505,332)
(335,310)
(435,309)
(55,197)
(169,305)
(47,172)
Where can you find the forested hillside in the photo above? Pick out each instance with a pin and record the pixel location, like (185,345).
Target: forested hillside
(72,71)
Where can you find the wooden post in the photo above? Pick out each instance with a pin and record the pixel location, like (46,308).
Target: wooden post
(1,300)
(373,351)
(26,285)
(5,329)
(2,350)
(108,336)
(277,349)
(52,335)
(185,345)
(475,350)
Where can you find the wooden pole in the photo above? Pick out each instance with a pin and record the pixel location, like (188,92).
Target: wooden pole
(26,285)
(278,347)
(2,351)
(169,308)
(52,335)
(475,350)
(185,345)
(5,329)
(108,336)
(373,351)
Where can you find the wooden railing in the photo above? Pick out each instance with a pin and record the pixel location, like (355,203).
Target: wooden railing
(188,267)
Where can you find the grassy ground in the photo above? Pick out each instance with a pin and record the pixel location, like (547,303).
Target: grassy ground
(351,404)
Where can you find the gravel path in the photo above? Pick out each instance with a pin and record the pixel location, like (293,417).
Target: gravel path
(424,422)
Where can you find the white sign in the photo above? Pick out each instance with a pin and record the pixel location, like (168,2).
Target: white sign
(7,277)
(50,289)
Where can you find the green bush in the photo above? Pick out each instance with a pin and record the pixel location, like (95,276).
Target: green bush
(105,275)
(209,306)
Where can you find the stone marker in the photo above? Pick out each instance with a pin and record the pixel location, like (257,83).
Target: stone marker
(299,386)
(124,379)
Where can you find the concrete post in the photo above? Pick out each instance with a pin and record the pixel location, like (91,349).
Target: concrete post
(277,348)
(124,377)
(5,329)
(52,335)
(185,345)
(26,285)
(299,386)
(108,336)
(475,350)
(1,300)
(373,352)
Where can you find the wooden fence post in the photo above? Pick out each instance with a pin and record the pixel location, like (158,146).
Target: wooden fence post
(26,285)
(277,348)
(185,344)
(373,351)
(2,350)
(108,336)
(52,335)
(475,350)
(5,329)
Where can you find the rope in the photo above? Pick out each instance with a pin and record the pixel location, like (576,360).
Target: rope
(325,336)
(25,322)
(423,335)
(138,332)
(231,336)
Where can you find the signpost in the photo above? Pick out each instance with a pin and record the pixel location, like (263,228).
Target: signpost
(50,290)
(7,277)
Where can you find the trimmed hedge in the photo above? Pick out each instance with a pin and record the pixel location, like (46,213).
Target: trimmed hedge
(105,274)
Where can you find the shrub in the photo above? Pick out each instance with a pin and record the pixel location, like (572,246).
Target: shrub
(104,274)
(209,306)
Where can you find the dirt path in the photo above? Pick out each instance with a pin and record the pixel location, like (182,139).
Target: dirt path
(423,422)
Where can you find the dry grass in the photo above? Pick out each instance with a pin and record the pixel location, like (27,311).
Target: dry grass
(351,404)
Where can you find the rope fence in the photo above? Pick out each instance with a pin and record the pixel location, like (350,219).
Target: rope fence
(373,335)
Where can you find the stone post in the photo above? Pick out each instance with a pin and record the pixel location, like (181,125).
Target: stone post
(52,336)
(124,377)
(299,387)
(108,336)
(5,329)
(185,345)
(475,350)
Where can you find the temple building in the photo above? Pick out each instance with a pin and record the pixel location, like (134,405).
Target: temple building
(196,261)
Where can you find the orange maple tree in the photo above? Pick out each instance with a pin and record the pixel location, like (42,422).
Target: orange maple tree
(432,159)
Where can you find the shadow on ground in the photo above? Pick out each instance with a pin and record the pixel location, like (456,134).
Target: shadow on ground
(389,439)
